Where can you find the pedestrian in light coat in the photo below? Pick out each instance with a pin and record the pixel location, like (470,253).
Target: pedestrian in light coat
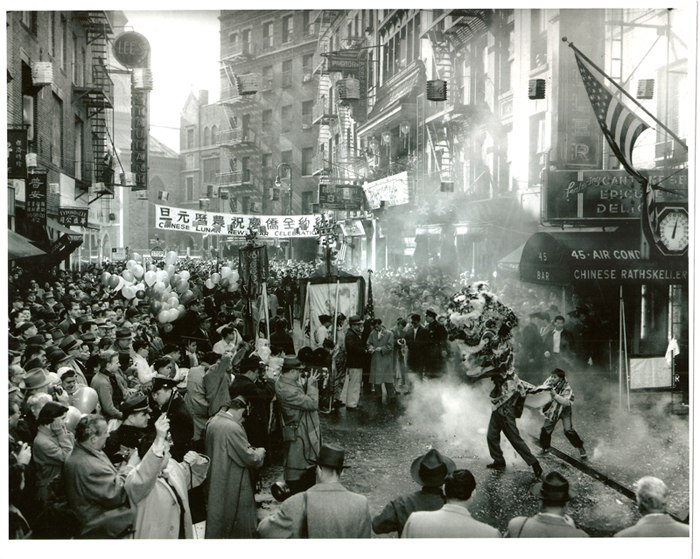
(381,347)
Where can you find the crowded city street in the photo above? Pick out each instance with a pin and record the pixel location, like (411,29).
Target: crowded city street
(391,274)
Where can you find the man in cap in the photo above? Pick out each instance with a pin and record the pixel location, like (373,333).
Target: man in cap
(123,341)
(428,471)
(436,345)
(136,414)
(552,521)
(453,520)
(166,400)
(326,510)
(357,357)
(652,498)
(301,428)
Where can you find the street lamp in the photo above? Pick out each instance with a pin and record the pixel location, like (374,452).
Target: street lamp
(278,183)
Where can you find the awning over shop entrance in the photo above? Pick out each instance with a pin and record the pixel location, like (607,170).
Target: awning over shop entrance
(56,229)
(20,247)
(511,262)
(612,258)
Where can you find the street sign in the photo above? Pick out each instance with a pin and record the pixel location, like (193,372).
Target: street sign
(119,253)
(157,253)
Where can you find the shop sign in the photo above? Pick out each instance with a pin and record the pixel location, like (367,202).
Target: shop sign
(339,197)
(119,253)
(139,138)
(35,206)
(342,61)
(157,253)
(131,49)
(73,216)
(236,225)
(16,154)
(603,197)
(393,190)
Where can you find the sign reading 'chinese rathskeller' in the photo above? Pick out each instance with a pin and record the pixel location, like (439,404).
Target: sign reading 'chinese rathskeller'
(212,223)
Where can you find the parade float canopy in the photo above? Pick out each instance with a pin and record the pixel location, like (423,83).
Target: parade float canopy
(20,247)
(613,258)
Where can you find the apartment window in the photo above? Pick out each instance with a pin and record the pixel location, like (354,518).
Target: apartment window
(307,64)
(286,119)
(57,132)
(205,136)
(63,50)
(29,19)
(306,26)
(287,73)
(267,78)
(307,202)
(307,155)
(267,34)
(210,170)
(189,188)
(307,109)
(189,161)
(286,157)
(190,138)
(232,38)
(75,73)
(267,120)
(538,39)
(246,47)
(267,165)
(506,57)
(287,28)
(245,204)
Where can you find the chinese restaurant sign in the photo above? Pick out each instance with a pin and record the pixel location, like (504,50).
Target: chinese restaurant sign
(73,216)
(392,190)
(212,223)
(16,152)
(36,198)
(340,197)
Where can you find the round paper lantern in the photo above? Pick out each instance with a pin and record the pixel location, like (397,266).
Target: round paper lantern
(85,399)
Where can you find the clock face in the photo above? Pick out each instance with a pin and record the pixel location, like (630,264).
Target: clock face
(673,231)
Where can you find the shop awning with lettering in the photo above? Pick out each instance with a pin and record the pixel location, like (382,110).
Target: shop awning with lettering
(611,258)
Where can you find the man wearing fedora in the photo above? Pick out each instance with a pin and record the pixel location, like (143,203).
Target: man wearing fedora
(356,358)
(552,521)
(428,471)
(652,498)
(326,510)
(453,520)
(301,426)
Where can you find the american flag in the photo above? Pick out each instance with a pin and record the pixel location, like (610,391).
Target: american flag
(650,221)
(620,126)
(370,298)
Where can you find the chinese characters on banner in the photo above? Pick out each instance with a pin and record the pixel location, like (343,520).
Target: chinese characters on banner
(36,199)
(73,216)
(212,223)
(16,152)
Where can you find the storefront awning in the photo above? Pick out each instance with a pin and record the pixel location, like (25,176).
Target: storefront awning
(428,230)
(20,247)
(511,262)
(612,258)
(60,229)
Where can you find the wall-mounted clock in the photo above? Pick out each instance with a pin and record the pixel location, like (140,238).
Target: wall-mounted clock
(674,231)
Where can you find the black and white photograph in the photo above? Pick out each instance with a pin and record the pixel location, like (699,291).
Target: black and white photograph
(302,273)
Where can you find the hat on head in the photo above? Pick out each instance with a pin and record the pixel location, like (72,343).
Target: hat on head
(131,312)
(100,322)
(40,324)
(68,343)
(57,334)
(324,318)
(135,405)
(57,356)
(34,378)
(36,340)
(331,457)
(124,334)
(53,378)
(291,362)
(554,487)
(63,371)
(24,327)
(161,381)
(34,363)
(430,312)
(430,469)
(354,319)
(305,354)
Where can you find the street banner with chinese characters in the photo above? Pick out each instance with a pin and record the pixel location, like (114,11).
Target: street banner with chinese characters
(73,216)
(392,190)
(253,268)
(16,153)
(35,207)
(236,225)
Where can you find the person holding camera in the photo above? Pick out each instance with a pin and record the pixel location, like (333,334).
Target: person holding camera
(301,428)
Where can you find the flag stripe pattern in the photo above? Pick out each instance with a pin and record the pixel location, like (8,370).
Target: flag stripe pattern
(620,126)
(369,309)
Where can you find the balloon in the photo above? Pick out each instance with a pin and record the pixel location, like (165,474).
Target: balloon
(215,278)
(130,264)
(187,296)
(140,294)
(128,275)
(184,274)
(225,282)
(163,316)
(173,314)
(156,307)
(162,275)
(159,287)
(173,301)
(181,310)
(171,257)
(150,278)
(120,283)
(73,415)
(169,269)
(113,281)
(138,271)
(137,257)
(226,272)
(209,284)
(85,399)
(233,287)
(104,278)
(153,268)
(182,286)
(168,328)
(174,279)
(235,276)
(129,292)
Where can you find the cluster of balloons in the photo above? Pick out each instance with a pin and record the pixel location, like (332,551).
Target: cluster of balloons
(167,290)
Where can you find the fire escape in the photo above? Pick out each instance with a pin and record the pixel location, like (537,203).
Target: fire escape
(98,97)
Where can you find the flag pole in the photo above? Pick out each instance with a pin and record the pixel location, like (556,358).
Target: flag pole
(661,124)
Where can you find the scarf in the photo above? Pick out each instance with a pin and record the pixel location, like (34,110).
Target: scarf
(561,387)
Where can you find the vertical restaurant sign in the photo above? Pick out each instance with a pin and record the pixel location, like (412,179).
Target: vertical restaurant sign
(139,138)
(35,206)
(16,152)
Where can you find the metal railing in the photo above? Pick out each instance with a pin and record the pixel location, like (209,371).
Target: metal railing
(248,49)
(236,136)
